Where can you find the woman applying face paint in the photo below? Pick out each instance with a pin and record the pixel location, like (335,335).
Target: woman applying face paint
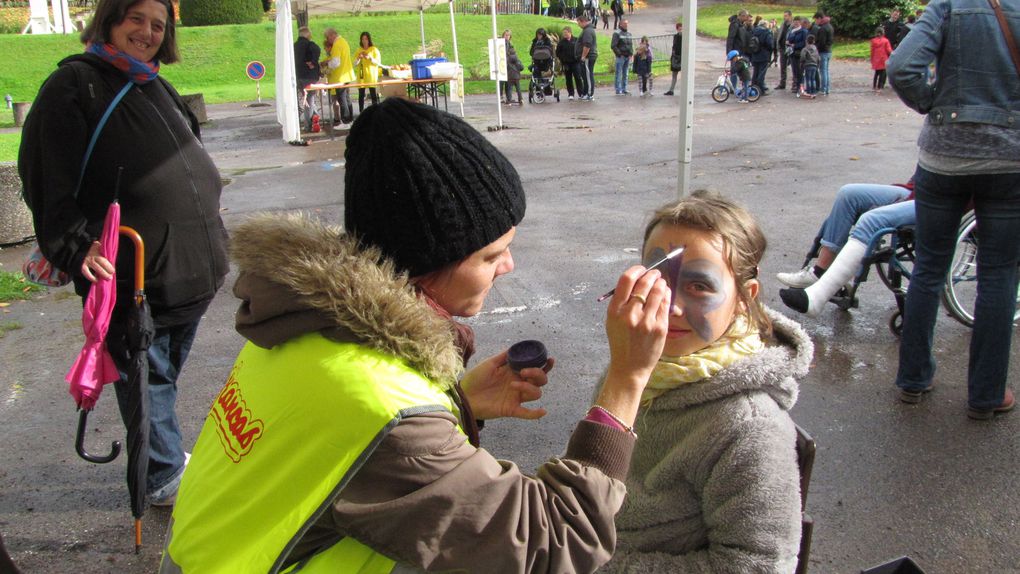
(714,484)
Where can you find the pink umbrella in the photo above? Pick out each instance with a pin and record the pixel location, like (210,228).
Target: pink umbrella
(94,366)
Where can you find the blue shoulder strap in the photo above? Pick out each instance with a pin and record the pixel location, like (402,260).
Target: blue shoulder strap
(99,128)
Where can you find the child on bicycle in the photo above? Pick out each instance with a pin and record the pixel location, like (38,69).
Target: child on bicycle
(740,68)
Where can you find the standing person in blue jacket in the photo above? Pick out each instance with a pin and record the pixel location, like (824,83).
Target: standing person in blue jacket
(969,151)
(797,39)
(760,59)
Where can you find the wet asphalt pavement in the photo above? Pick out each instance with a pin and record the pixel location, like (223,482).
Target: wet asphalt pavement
(889,479)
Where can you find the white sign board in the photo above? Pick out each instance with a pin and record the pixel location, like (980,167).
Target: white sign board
(457,86)
(497,59)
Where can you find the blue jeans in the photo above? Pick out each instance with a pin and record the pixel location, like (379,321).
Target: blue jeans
(811,79)
(620,81)
(941,202)
(167,353)
(823,71)
(888,216)
(852,201)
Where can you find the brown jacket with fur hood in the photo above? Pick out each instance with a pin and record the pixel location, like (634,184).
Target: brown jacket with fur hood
(425,497)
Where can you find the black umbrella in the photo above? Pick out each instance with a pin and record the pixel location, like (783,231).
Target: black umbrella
(138,334)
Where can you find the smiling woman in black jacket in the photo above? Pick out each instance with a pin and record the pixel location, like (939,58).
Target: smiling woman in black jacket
(150,157)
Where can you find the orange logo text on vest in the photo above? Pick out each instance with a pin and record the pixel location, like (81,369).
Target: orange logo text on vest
(238,429)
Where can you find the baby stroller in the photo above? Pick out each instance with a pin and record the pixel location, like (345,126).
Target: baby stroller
(891,252)
(543,75)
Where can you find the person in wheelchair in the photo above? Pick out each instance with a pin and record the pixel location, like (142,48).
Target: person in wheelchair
(860,211)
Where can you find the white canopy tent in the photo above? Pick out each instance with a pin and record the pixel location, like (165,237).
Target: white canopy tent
(286,82)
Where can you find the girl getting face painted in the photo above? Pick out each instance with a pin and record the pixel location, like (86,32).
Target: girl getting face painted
(704,290)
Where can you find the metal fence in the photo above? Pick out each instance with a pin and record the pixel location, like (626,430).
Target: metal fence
(502,6)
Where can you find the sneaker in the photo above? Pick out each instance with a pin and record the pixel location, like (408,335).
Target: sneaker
(571,98)
(799,280)
(1007,404)
(914,397)
(743,102)
(625,93)
(669,93)
(166,495)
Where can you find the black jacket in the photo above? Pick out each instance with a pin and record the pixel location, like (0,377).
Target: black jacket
(739,37)
(565,51)
(765,43)
(150,154)
(306,52)
(678,40)
(895,31)
(823,37)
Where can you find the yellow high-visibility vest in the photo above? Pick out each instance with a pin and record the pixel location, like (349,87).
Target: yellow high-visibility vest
(285,435)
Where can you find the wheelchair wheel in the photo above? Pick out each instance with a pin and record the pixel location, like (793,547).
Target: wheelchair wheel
(896,323)
(894,259)
(720,94)
(753,93)
(960,291)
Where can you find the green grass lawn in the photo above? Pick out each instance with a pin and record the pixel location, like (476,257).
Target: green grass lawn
(213,58)
(13,287)
(714,21)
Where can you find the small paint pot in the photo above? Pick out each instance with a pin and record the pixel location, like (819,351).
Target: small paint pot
(527,354)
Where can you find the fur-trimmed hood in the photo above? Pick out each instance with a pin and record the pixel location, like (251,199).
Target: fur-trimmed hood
(773,371)
(299,276)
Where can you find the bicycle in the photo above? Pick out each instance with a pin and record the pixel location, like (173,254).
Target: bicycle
(723,88)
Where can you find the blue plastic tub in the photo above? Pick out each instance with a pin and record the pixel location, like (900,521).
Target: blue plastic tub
(420,68)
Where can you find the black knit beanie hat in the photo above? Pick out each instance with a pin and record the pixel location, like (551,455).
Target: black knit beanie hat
(425,187)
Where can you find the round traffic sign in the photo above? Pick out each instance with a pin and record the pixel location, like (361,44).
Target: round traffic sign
(256,70)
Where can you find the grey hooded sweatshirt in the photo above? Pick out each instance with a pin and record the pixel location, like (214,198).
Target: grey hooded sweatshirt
(714,485)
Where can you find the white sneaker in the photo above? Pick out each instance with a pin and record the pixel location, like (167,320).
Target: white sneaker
(800,280)
(571,98)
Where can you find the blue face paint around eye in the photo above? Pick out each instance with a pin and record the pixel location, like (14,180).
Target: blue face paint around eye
(682,278)
(703,289)
(670,272)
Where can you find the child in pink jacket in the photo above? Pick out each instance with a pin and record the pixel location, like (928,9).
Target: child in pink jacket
(880,51)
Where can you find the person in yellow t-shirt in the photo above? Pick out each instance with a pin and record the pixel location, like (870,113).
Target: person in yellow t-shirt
(339,70)
(366,64)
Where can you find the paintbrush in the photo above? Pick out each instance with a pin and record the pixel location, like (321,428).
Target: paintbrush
(655,265)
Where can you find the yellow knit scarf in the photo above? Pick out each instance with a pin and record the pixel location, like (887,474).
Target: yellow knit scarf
(740,340)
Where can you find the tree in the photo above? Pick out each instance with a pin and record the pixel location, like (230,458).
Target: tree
(859,18)
(212,12)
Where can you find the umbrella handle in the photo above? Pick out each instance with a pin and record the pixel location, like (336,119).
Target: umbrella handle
(139,260)
(79,443)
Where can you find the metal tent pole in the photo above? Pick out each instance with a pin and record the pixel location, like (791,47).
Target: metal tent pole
(690,19)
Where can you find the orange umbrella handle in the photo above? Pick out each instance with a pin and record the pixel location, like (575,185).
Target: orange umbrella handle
(139,261)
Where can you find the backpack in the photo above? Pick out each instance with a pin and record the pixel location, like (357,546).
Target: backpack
(754,46)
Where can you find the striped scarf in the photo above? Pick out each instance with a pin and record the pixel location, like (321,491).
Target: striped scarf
(137,71)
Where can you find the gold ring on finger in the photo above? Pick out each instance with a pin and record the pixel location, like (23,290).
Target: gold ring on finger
(639,298)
